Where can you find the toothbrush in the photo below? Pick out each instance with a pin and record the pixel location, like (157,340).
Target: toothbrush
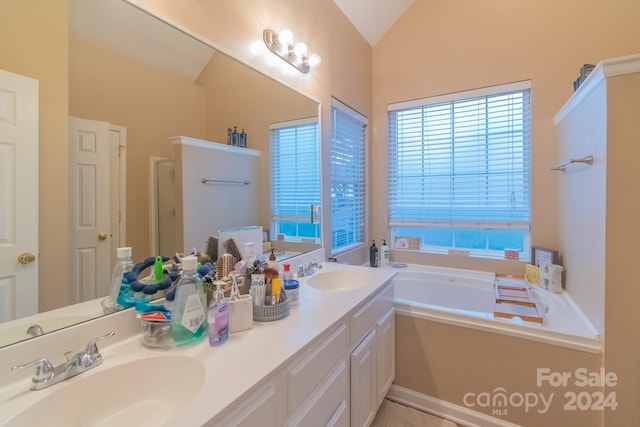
(235,292)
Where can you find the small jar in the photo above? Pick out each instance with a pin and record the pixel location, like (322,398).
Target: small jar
(292,288)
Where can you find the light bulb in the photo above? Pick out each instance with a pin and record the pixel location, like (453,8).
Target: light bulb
(285,37)
(314,60)
(300,49)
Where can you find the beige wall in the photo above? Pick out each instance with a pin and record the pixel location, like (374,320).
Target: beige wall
(444,46)
(622,290)
(447,362)
(38,49)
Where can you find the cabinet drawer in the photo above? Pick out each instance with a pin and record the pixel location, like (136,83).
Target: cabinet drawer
(310,370)
(365,318)
(322,407)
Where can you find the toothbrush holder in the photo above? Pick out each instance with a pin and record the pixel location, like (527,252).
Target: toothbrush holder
(268,313)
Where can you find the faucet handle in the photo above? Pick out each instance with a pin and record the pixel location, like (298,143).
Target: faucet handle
(92,347)
(44,369)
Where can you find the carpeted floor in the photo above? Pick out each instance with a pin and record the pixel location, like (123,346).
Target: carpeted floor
(392,414)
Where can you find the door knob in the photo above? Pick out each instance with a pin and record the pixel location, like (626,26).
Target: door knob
(102,236)
(26,258)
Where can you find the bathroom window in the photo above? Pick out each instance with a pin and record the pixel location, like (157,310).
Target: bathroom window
(295,179)
(348,178)
(459,176)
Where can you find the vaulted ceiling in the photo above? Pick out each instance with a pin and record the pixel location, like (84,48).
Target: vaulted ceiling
(373,18)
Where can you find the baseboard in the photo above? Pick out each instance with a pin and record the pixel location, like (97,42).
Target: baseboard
(449,411)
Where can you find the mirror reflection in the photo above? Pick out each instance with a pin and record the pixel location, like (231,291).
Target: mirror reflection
(140,82)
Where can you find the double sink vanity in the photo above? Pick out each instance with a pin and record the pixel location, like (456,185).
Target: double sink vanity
(329,362)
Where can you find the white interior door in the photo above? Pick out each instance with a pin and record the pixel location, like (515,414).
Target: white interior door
(89,213)
(18,196)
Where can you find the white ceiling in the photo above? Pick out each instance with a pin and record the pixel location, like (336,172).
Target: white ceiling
(373,18)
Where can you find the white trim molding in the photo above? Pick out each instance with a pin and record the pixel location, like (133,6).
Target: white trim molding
(606,68)
(449,411)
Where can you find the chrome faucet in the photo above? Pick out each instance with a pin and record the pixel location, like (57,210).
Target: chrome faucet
(309,269)
(46,375)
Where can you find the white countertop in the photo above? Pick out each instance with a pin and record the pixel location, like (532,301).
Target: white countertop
(237,366)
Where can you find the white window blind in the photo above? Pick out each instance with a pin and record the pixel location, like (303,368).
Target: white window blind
(348,209)
(295,178)
(459,170)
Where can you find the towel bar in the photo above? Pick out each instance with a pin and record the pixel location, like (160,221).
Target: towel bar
(563,166)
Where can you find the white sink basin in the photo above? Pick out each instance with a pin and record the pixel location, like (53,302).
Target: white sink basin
(145,392)
(338,280)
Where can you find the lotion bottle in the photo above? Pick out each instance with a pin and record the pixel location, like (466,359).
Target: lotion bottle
(188,322)
(384,254)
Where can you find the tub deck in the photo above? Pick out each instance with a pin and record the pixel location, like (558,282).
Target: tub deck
(466,298)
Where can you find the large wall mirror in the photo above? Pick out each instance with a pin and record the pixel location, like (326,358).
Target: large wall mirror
(148,82)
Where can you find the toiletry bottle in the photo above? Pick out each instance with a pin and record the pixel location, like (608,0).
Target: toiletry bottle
(384,254)
(188,322)
(291,286)
(243,139)
(373,254)
(123,265)
(234,136)
(272,260)
(218,318)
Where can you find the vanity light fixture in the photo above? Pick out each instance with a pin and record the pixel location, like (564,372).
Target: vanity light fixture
(296,54)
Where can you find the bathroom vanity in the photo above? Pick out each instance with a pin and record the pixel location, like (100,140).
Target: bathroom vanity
(330,362)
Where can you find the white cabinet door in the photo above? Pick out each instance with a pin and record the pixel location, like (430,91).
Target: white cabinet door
(258,409)
(363,382)
(386,344)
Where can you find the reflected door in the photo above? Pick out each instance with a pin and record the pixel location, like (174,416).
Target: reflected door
(89,209)
(18,196)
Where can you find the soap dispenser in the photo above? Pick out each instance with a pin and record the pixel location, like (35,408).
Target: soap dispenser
(218,318)
(188,322)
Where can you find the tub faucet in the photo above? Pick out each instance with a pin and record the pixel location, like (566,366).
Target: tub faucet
(47,375)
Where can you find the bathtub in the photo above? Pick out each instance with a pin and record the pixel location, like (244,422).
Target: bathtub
(466,298)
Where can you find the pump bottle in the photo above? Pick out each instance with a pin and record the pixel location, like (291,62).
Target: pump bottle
(373,254)
(188,323)
(384,254)
(218,318)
